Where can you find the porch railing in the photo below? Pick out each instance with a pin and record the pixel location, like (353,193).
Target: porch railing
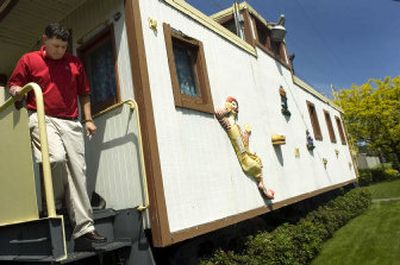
(132,104)
(47,179)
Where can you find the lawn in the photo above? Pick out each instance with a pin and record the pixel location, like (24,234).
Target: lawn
(385,190)
(372,238)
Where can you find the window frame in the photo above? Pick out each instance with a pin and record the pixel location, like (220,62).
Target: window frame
(203,102)
(340,127)
(329,125)
(106,34)
(314,120)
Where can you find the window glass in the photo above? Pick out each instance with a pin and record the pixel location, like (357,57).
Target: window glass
(330,127)
(340,129)
(99,63)
(98,57)
(230,25)
(262,33)
(314,121)
(184,58)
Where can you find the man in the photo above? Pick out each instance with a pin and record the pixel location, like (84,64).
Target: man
(63,80)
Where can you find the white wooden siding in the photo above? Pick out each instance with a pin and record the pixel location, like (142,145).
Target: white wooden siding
(202,178)
(113,160)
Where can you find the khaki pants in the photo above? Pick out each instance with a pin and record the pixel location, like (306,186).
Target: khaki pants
(68,168)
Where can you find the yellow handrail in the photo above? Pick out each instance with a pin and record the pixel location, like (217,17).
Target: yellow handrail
(48,182)
(134,106)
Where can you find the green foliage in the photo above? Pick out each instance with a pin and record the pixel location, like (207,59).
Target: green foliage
(372,115)
(379,174)
(365,178)
(224,258)
(391,173)
(297,244)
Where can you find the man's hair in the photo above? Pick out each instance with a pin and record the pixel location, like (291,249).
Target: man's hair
(56,30)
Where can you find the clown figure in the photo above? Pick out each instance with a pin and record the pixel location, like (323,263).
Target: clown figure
(250,163)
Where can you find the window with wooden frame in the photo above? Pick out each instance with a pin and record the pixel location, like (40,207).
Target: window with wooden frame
(99,57)
(188,71)
(328,120)
(340,129)
(314,121)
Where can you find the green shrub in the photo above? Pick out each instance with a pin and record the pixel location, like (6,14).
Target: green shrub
(365,178)
(273,248)
(224,258)
(391,173)
(297,244)
(378,174)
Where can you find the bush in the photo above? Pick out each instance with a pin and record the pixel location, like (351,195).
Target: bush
(225,258)
(297,244)
(392,174)
(379,174)
(365,178)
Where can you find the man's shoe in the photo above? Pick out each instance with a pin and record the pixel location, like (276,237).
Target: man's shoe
(94,237)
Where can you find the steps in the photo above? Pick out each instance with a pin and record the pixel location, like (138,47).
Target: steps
(40,240)
(45,242)
(104,223)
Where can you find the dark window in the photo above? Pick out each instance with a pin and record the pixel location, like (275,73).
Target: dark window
(230,25)
(263,34)
(314,121)
(188,71)
(340,129)
(185,69)
(328,120)
(98,56)
(276,48)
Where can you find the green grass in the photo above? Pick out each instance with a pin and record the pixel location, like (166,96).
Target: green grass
(370,239)
(385,190)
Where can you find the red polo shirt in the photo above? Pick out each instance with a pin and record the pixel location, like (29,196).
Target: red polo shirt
(61,82)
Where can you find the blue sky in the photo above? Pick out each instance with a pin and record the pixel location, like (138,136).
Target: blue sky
(338,42)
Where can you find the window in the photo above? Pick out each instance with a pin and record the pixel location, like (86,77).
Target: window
(340,129)
(277,48)
(314,121)
(230,25)
(328,120)
(98,56)
(188,71)
(262,34)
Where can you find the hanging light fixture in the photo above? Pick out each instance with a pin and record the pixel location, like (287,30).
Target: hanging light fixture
(278,30)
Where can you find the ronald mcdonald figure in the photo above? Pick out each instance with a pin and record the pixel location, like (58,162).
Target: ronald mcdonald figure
(251,164)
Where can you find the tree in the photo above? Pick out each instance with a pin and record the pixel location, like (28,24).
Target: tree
(372,115)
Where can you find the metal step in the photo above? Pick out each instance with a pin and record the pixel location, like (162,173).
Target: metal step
(37,240)
(44,241)
(104,224)
(108,247)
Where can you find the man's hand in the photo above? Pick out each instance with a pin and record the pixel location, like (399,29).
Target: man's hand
(90,128)
(15,92)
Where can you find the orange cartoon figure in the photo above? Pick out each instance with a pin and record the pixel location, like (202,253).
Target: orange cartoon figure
(251,164)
